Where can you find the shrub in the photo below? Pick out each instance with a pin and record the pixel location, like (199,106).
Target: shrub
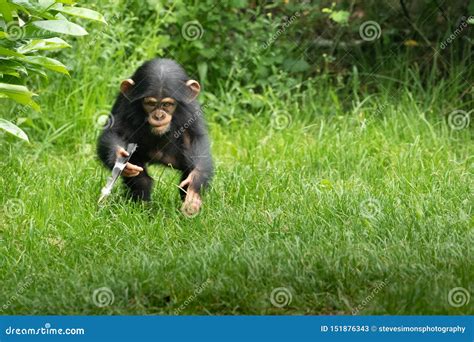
(29,30)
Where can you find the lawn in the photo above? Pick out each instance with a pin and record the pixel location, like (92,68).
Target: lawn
(326,208)
(342,188)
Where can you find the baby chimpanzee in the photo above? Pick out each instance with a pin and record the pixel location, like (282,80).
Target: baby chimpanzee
(158,110)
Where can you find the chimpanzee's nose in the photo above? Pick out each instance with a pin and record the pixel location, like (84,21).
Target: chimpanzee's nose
(159,115)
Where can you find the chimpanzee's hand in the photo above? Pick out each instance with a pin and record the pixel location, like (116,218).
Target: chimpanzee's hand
(192,204)
(130,170)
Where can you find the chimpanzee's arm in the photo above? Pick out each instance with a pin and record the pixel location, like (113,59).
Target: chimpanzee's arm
(109,140)
(199,161)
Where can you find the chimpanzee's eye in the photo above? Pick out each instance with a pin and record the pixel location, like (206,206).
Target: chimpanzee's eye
(151,102)
(167,103)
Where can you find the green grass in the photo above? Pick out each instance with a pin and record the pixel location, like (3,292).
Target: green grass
(363,201)
(286,209)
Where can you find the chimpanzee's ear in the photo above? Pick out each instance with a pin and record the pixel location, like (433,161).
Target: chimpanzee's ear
(195,88)
(126,85)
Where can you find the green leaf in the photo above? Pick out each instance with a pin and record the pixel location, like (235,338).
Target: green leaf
(299,65)
(6,11)
(12,65)
(29,5)
(10,73)
(8,52)
(36,69)
(46,3)
(44,44)
(340,17)
(48,63)
(67,2)
(13,129)
(33,32)
(38,9)
(60,26)
(60,16)
(19,93)
(81,13)
(202,70)
(239,3)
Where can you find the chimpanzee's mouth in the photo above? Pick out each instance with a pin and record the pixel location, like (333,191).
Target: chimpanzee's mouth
(164,121)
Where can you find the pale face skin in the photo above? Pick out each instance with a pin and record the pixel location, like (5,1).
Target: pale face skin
(159,113)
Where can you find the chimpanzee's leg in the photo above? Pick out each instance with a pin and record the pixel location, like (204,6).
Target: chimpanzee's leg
(139,187)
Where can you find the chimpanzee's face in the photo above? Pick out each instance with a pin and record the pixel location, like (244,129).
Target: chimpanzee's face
(159,113)
(159,97)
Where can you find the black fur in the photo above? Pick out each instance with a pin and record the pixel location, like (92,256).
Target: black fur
(159,78)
